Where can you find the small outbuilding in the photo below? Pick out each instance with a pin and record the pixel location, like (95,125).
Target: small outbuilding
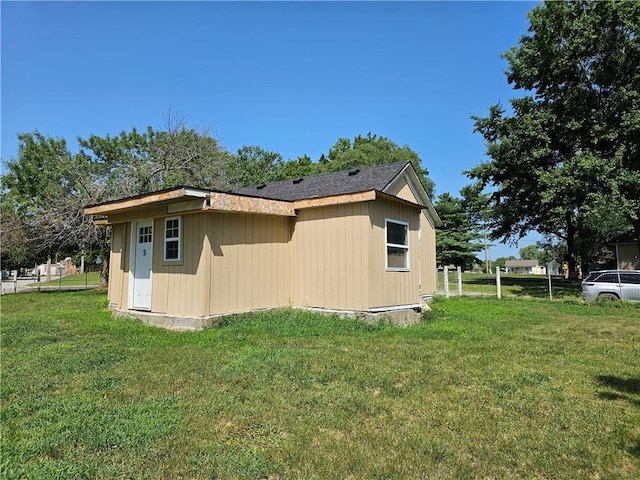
(359,241)
(627,252)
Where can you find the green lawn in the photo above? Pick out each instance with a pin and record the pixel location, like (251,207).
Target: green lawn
(90,278)
(480,389)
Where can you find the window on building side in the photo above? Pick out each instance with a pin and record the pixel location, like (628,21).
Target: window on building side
(172,239)
(397,245)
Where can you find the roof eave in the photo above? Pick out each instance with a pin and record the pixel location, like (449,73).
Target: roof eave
(155,198)
(231,202)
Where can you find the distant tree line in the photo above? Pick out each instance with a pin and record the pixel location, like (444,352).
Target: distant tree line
(46,187)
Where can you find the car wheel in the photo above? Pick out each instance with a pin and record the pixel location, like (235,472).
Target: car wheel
(608,297)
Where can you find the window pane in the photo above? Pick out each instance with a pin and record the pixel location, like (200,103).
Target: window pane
(144,234)
(608,278)
(172,228)
(630,278)
(172,239)
(172,250)
(396,233)
(396,257)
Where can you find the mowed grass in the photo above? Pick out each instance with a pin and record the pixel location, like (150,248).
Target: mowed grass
(480,389)
(90,278)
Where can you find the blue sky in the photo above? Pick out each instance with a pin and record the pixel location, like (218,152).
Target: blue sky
(292,77)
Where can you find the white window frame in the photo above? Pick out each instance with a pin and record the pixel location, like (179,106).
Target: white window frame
(173,239)
(407,268)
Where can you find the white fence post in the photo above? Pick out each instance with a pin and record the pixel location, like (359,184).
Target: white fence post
(445,271)
(459,272)
(552,268)
(498,286)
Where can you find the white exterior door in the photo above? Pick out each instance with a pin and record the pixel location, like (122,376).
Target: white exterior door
(142,265)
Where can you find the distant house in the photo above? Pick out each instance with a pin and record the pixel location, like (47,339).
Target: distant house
(65,267)
(524,267)
(361,240)
(627,252)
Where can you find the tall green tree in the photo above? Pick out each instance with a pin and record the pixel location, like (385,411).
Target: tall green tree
(373,150)
(296,168)
(456,242)
(134,162)
(44,191)
(571,144)
(46,187)
(476,204)
(252,165)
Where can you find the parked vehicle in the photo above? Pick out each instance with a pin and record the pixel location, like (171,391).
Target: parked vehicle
(612,285)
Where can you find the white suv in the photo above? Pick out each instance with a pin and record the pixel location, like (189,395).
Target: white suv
(612,285)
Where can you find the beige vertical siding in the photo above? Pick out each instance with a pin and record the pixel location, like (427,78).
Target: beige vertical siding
(628,257)
(428,277)
(251,262)
(330,257)
(327,257)
(179,288)
(388,288)
(116,265)
(427,256)
(125,261)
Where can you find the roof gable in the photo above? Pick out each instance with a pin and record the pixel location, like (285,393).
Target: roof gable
(408,179)
(400,188)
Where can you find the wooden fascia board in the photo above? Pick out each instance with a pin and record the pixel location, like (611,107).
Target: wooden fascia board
(335,200)
(393,198)
(229,202)
(141,213)
(117,206)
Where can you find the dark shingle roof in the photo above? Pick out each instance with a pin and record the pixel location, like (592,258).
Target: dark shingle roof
(628,237)
(364,179)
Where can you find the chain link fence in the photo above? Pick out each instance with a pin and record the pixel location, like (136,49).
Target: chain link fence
(51,278)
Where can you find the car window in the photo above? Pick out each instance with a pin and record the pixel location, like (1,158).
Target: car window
(591,277)
(607,278)
(633,278)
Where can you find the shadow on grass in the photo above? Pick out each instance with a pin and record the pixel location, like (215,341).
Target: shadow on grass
(624,385)
(626,389)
